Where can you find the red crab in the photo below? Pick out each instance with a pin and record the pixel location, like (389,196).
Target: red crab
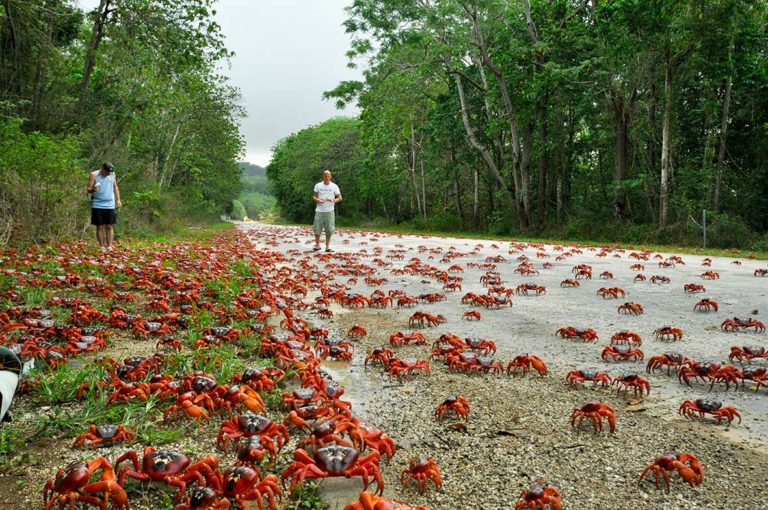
(610,292)
(693,288)
(398,339)
(626,337)
(334,461)
(710,275)
(705,305)
(260,379)
(576,377)
(322,434)
(606,275)
(481,346)
(422,470)
(404,367)
(527,288)
(104,434)
(569,282)
(247,425)
(710,371)
(686,464)
(668,333)
(668,359)
(659,279)
(254,450)
(621,353)
(242,483)
(71,486)
(637,383)
(455,403)
(736,324)
(334,348)
(525,362)
(357,332)
(368,501)
(595,411)
(472,315)
(381,355)
(748,352)
(631,308)
(758,375)
(169,342)
(538,496)
(586,335)
(703,406)
(203,498)
(187,404)
(423,318)
(170,467)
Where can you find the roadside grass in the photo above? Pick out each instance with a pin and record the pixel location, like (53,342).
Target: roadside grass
(182,235)
(485,236)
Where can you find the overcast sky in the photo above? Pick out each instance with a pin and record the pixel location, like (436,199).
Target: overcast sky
(287,53)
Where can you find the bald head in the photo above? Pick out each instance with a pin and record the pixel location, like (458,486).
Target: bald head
(327,176)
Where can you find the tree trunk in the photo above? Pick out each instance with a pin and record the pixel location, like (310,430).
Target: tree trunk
(621,143)
(102,16)
(15,82)
(665,145)
(521,190)
(477,144)
(543,162)
(476,201)
(413,170)
(423,189)
(723,135)
(456,185)
(525,167)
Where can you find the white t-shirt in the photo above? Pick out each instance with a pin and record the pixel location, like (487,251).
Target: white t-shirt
(326,191)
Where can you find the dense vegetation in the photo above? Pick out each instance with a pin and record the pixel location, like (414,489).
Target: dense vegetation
(615,120)
(134,82)
(254,198)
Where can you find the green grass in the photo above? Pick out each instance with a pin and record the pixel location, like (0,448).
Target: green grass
(60,386)
(186,234)
(305,497)
(485,236)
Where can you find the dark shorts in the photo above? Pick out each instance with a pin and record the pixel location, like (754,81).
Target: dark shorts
(103,217)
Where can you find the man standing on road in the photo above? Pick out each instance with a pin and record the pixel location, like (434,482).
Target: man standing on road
(325,195)
(105,196)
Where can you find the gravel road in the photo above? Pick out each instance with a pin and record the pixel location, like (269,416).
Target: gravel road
(518,431)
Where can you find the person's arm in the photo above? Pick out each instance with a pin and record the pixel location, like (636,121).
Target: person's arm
(91,181)
(118,203)
(338,197)
(315,197)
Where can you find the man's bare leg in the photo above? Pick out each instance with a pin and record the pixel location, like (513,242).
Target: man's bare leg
(327,241)
(100,236)
(108,236)
(317,241)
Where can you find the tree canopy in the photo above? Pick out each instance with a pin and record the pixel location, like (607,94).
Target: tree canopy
(621,119)
(135,82)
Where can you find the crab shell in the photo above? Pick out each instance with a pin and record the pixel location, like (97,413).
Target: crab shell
(336,459)
(161,463)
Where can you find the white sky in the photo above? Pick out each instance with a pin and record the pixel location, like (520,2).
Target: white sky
(287,53)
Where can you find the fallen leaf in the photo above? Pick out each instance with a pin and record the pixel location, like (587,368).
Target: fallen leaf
(518,433)
(635,409)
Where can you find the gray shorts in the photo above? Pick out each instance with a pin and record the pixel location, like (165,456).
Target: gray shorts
(324,221)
